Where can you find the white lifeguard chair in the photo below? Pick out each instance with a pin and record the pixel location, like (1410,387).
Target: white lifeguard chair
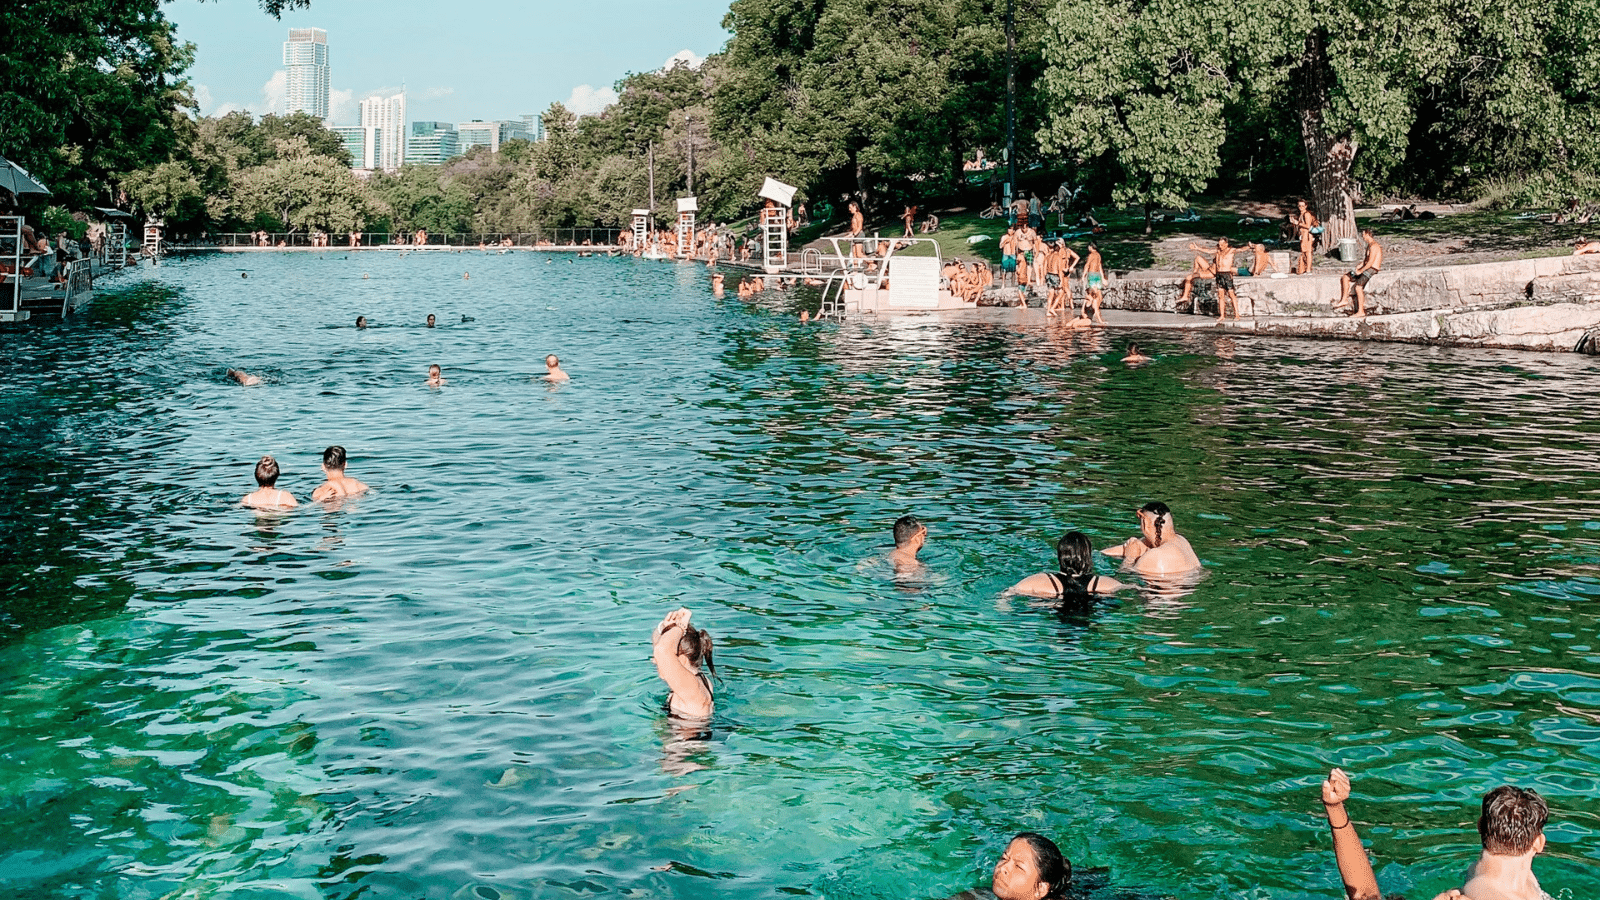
(641,229)
(152,237)
(687,207)
(775,225)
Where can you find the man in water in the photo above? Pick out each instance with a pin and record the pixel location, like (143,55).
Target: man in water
(267,495)
(361,321)
(338,484)
(909,536)
(1356,282)
(244,378)
(553,364)
(435,376)
(1159,549)
(430,320)
(1510,826)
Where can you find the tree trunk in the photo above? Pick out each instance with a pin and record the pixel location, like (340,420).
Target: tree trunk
(1328,156)
(1147,222)
(861,184)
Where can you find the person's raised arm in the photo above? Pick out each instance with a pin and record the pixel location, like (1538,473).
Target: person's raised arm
(664,653)
(1355,870)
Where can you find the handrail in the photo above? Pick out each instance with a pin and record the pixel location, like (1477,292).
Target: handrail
(79,277)
(456,240)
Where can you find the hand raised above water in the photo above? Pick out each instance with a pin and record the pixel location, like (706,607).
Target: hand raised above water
(1336,789)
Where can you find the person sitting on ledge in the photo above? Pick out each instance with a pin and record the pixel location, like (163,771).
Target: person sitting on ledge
(677,649)
(1585,247)
(338,484)
(909,536)
(1159,549)
(552,364)
(267,495)
(1356,282)
(1202,268)
(1075,579)
(1511,827)
(1261,261)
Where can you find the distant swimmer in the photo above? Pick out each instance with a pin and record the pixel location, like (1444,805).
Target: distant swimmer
(468,319)
(430,320)
(678,649)
(716,282)
(1075,579)
(361,321)
(365,276)
(553,364)
(435,376)
(1159,550)
(267,495)
(1135,355)
(805,317)
(338,484)
(909,536)
(243,377)
(466,276)
(244,274)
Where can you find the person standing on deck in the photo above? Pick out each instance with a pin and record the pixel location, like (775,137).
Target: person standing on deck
(1008,255)
(1094,283)
(1305,223)
(1224,271)
(1356,282)
(1035,211)
(910,218)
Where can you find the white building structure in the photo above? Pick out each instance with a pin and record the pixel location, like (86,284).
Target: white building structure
(388,116)
(305,56)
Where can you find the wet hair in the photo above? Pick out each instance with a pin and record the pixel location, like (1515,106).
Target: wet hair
(334,458)
(1075,555)
(1054,869)
(905,528)
(1513,818)
(361,321)
(695,643)
(552,361)
(267,472)
(1133,349)
(1161,512)
(434,370)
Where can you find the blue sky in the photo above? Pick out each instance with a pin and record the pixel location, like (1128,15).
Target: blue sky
(484,59)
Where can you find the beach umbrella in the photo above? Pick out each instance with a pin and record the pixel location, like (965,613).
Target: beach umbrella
(16,179)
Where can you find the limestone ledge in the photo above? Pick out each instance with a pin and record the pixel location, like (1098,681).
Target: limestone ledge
(1561,327)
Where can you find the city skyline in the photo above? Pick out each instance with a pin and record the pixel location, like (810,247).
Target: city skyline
(305,63)
(454,70)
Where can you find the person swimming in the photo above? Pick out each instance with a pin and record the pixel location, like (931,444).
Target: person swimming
(909,536)
(435,376)
(553,364)
(1134,355)
(267,495)
(430,320)
(338,484)
(677,649)
(361,321)
(243,377)
(1075,579)
(1032,868)
(1159,549)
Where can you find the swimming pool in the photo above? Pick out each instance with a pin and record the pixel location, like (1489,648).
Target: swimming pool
(443,689)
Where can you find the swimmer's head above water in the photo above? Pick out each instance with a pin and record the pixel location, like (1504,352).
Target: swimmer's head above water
(267,472)
(1074,554)
(1031,869)
(430,320)
(361,321)
(435,376)
(909,533)
(334,459)
(1155,520)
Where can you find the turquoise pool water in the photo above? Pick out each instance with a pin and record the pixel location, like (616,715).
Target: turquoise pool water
(443,689)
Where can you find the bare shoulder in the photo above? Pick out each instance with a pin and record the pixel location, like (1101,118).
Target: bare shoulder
(326,491)
(1039,585)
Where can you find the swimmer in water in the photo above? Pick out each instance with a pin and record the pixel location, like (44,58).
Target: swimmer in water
(466,276)
(1583,248)
(1511,828)
(435,376)
(267,495)
(365,276)
(243,377)
(430,320)
(909,536)
(244,274)
(361,321)
(1134,355)
(1159,549)
(677,649)
(338,484)
(804,317)
(716,282)
(553,364)
(1032,868)
(1075,579)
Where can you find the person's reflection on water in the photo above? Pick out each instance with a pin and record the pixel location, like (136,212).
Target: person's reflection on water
(684,744)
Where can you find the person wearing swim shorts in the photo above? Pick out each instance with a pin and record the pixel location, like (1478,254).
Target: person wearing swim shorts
(1008,254)
(1094,283)
(1356,282)
(1226,293)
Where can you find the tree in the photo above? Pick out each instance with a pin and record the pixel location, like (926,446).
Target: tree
(170,191)
(417,199)
(302,191)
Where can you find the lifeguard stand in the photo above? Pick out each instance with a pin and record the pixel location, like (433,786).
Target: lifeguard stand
(687,207)
(641,229)
(152,237)
(775,225)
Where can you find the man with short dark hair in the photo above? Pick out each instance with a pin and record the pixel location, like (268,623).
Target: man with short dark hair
(1511,827)
(338,484)
(267,495)
(1356,282)
(909,536)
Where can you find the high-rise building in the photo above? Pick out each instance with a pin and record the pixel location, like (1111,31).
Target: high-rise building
(479,133)
(534,126)
(431,143)
(363,143)
(388,116)
(305,56)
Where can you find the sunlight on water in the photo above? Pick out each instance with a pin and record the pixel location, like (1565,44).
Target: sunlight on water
(443,689)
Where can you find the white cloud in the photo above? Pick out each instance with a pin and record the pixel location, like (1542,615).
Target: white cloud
(688,57)
(274,94)
(202,98)
(586,100)
(434,93)
(342,106)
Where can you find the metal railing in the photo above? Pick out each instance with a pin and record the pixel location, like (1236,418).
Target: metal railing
(539,238)
(79,277)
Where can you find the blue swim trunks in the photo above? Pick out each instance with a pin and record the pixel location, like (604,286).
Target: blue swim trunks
(1008,263)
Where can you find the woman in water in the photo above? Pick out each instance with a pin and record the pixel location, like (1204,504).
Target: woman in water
(678,649)
(1075,580)
(1031,869)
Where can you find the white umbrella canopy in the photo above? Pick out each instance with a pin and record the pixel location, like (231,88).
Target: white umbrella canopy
(16,179)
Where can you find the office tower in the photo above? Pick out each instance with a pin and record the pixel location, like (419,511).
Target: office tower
(534,126)
(362,142)
(479,133)
(431,143)
(388,116)
(305,56)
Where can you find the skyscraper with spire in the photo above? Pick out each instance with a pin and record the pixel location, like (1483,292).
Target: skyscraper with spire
(305,56)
